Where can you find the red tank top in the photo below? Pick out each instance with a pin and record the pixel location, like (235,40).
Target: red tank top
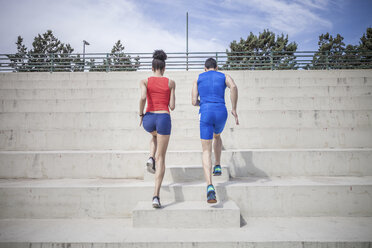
(158,94)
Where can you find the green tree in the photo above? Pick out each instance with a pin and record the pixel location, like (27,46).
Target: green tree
(351,57)
(49,53)
(65,59)
(365,47)
(95,66)
(121,61)
(330,52)
(366,40)
(333,54)
(78,63)
(117,60)
(263,52)
(19,60)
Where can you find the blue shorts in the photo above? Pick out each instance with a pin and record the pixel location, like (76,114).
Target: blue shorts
(159,122)
(212,120)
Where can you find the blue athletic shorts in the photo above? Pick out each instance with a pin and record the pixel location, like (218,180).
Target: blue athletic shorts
(212,120)
(159,122)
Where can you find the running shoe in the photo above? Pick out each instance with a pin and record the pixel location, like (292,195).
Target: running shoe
(211,194)
(151,165)
(156,202)
(217,170)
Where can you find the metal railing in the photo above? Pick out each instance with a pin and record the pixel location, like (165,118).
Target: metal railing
(106,62)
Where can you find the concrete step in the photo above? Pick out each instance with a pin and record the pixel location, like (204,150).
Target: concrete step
(89,76)
(130,164)
(183,84)
(328,232)
(185,139)
(261,78)
(183,93)
(186,119)
(271,81)
(305,91)
(72,89)
(187,173)
(73,93)
(257,103)
(123,77)
(189,214)
(246,92)
(256,197)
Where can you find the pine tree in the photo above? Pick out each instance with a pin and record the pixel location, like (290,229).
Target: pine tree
(19,60)
(49,53)
(330,52)
(78,63)
(117,60)
(262,52)
(365,46)
(121,61)
(366,40)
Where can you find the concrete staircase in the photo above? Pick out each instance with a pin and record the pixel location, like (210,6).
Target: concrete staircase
(297,172)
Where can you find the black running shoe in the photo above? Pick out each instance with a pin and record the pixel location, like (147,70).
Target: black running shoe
(151,165)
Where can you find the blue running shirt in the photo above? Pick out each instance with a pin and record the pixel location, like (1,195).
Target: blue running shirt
(211,87)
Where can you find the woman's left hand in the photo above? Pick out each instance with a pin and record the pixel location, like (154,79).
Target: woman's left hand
(141,119)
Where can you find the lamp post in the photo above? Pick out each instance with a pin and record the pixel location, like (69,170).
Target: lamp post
(84,43)
(187,41)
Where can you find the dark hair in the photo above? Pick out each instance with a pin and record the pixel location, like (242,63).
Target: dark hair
(210,63)
(158,62)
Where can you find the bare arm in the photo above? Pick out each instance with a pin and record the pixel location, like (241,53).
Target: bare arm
(172,100)
(233,96)
(194,94)
(142,102)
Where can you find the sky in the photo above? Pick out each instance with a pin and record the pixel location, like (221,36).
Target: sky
(144,26)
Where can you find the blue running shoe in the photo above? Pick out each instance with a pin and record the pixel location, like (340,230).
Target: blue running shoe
(217,170)
(211,194)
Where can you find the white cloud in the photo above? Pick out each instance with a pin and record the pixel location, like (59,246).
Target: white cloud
(288,17)
(213,25)
(317,4)
(101,23)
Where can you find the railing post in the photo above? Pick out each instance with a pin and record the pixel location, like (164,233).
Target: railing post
(327,60)
(107,63)
(217,58)
(187,61)
(271,60)
(52,63)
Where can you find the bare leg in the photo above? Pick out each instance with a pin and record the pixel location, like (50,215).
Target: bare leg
(153,144)
(162,145)
(217,148)
(207,161)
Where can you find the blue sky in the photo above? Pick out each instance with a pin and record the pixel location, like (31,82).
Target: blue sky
(147,25)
